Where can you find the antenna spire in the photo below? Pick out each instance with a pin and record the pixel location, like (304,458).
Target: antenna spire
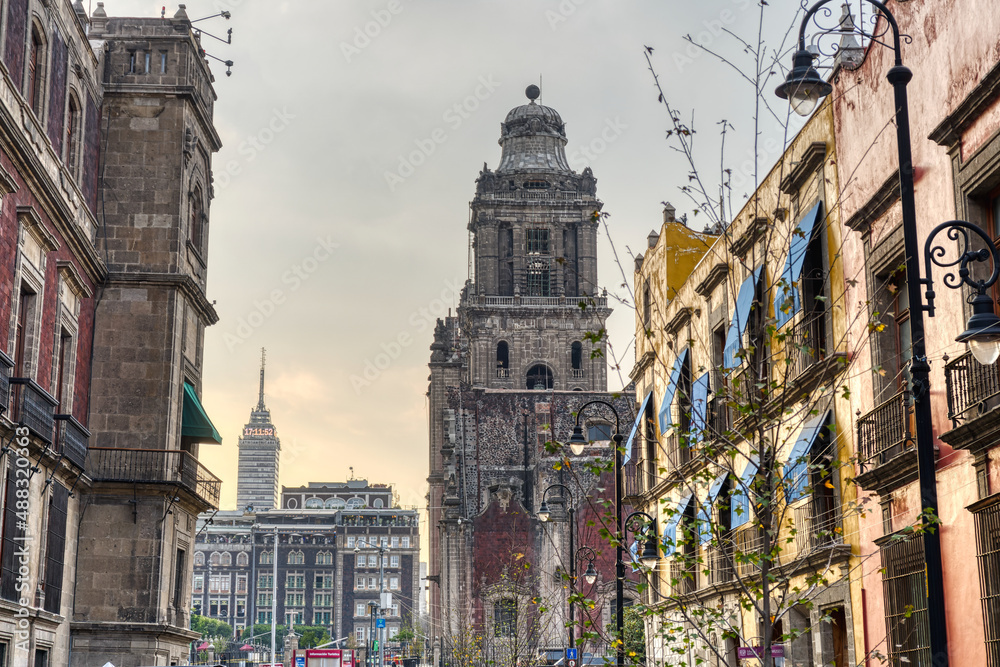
(260,400)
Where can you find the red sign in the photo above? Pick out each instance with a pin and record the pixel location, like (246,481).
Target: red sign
(323,652)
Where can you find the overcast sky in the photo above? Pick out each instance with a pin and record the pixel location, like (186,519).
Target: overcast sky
(353,133)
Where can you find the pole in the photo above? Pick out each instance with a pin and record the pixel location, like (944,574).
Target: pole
(381,596)
(899,76)
(619,563)
(274,598)
(572,574)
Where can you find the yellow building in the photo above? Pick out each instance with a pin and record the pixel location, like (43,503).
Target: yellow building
(742,457)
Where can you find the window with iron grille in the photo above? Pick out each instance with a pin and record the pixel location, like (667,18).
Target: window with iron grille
(55,547)
(538,241)
(908,635)
(504,617)
(538,279)
(988,555)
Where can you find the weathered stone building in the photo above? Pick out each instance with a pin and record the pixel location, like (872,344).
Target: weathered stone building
(106,139)
(508,374)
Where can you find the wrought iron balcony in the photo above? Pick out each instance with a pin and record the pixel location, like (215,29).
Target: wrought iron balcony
(805,345)
(815,530)
(155,466)
(970,386)
(720,562)
(503,373)
(543,301)
(749,549)
(34,408)
(633,475)
(885,432)
(72,439)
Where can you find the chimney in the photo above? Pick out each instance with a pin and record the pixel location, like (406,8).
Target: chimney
(668,212)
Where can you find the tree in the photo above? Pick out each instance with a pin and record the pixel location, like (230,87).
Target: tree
(210,627)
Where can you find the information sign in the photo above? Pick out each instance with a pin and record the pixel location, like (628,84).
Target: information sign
(379,622)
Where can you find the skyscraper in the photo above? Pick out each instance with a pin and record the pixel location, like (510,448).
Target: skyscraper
(260,450)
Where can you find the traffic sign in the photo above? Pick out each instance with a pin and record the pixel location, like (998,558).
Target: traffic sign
(571,654)
(379,622)
(571,663)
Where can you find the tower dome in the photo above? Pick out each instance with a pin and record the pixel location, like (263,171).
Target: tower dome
(533,138)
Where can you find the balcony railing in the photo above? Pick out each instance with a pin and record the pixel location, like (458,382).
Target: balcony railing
(970,384)
(633,476)
(155,466)
(33,407)
(749,550)
(805,345)
(816,530)
(720,563)
(503,373)
(578,373)
(885,432)
(5,366)
(545,301)
(72,439)
(566,195)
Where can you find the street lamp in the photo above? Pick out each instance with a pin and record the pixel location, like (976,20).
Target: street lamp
(983,330)
(650,551)
(577,442)
(590,576)
(543,515)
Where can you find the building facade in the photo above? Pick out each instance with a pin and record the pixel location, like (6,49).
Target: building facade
(507,375)
(259,458)
(106,148)
(328,561)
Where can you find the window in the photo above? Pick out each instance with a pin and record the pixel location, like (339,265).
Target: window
(538,279)
(359,632)
(296,558)
(266,557)
(295,599)
(265,599)
(324,558)
(647,307)
(242,559)
(219,583)
(264,616)
(393,583)
(395,545)
(163,62)
(576,355)
(199,583)
(74,120)
(335,504)
(350,541)
(36,71)
(539,378)
(908,640)
(988,554)
(355,503)
(199,558)
(394,610)
(133,59)
(241,608)
(295,580)
(372,560)
(314,503)
(294,617)
(384,541)
(505,267)
(372,585)
(893,343)
(227,559)
(503,359)
(360,609)
(25,333)
(405,542)
(196,606)
(536,185)
(265,581)
(322,617)
(538,241)
(324,580)
(147,63)
(197,220)
(215,558)
(377,503)
(504,617)
(359,583)
(393,561)
(598,432)
(241,584)
(385,561)
(41,657)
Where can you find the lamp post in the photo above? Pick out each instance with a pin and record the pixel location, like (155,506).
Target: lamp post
(382,550)
(543,516)
(577,442)
(803,88)
(590,576)
(274,597)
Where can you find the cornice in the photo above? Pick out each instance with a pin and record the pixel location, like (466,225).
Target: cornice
(949,132)
(714,277)
(182,282)
(877,205)
(810,161)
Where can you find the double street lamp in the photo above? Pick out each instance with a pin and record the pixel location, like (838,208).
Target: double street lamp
(803,88)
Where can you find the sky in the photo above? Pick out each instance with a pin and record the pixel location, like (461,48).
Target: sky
(353,133)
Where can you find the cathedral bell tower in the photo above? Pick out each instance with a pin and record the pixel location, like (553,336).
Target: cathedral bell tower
(534,298)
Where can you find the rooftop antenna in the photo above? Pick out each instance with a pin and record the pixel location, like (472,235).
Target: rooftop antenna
(352,472)
(541,100)
(260,399)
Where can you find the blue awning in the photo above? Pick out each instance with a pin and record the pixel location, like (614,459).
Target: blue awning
(668,394)
(739,499)
(798,245)
(705,510)
(741,318)
(669,538)
(635,427)
(796,477)
(699,406)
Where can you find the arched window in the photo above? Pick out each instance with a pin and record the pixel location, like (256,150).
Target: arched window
(36,71)
(576,356)
(266,557)
(503,359)
(227,559)
(377,503)
(335,503)
(197,219)
(296,558)
(74,122)
(314,503)
(242,559)
(215,558)
(355,503)
(539,377)
(199,558)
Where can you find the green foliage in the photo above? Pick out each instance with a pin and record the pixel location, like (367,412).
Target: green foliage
(635,636)
(209,627)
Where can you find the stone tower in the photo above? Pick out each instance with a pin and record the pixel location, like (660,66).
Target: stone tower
(260,450)
(534,224)
(146,418)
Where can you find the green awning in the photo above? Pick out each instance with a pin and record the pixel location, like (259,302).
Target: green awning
(196,423)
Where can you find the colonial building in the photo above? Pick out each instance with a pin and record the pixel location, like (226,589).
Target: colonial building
(106,140)
(260,453)
(328,560)
(507,375)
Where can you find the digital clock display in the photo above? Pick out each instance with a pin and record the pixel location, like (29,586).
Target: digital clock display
(249,432)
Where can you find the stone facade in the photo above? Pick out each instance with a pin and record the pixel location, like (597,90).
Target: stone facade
(508,374)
